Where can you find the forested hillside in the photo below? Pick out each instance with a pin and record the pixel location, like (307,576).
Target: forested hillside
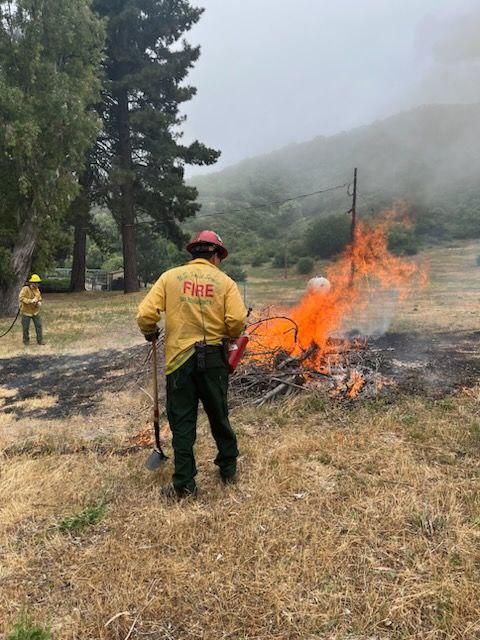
(429,157)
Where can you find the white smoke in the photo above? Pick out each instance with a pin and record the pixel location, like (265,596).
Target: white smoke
(452,46)
(373,317)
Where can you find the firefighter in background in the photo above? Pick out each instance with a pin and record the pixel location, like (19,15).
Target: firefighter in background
(203,309)
(30,300)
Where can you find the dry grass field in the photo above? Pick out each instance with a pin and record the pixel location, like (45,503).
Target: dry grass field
(349,522)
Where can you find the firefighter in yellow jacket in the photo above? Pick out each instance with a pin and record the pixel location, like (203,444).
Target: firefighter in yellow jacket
(203,308)
(30,300)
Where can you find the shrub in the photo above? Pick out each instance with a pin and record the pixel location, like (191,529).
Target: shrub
(268,229)
(95,257)
(478,261)
(113,263)
(402,241)
(55,285)
(236,273)
(328,236)
(296,249)
(258,259)
(305,265)
(278,260)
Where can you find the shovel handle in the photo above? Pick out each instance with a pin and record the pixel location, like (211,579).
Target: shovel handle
(156,425)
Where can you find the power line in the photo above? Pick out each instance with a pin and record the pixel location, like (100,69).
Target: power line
(275,202)
(254,207)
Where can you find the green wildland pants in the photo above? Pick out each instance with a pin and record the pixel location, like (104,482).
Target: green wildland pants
(185,387)
(37,321)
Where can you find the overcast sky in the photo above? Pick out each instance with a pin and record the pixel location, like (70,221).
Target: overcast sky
(274,72)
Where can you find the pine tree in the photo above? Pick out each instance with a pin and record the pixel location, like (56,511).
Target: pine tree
(50,54)
(142,158)
(79,217)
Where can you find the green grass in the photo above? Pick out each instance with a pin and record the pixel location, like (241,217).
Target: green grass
(90,516)
(97,319)
(25,629)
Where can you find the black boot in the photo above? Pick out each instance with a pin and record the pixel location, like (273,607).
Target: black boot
(172,493)
(228,480)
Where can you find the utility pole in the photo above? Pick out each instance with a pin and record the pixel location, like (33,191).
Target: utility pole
(354,207)
(353,228)
(285,260)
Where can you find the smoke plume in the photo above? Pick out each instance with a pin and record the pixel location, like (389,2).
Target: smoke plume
(452,46)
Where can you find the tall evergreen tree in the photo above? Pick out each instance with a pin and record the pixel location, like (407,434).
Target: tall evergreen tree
(79,217)
(143,160)
(50,52)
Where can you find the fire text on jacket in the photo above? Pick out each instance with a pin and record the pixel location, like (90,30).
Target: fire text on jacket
(197,289)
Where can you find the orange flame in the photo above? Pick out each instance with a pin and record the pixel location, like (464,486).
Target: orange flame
(355,383)
(366,279)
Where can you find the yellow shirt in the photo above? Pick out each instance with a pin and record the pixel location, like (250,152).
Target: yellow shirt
(28,297)
(183,293)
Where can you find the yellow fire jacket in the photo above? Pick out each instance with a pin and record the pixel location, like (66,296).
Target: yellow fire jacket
(28,297)
(199,301)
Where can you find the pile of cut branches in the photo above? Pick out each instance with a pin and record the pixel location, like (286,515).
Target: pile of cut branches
(344,370)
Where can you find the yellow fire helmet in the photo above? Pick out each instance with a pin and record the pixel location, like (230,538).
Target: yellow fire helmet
(35,278)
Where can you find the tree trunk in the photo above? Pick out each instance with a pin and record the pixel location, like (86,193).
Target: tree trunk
(77,277)
(21,263)
(9,298)
(81,217)
(131,282)
(130,274)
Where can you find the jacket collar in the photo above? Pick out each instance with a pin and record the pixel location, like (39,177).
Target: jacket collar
(202,261)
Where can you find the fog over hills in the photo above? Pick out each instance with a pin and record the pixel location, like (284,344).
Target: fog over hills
(426,154)
(417,155)
(272,73)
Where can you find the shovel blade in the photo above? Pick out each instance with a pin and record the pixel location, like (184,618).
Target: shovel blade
(155,460)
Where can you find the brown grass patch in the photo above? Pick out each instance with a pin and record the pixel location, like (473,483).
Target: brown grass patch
(354,524)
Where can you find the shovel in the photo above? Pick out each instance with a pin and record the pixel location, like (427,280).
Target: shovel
(157,457)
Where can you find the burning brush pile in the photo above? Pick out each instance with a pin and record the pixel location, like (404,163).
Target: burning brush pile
(323,342)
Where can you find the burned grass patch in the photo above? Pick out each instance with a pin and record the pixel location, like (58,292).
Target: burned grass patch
(434,365)
(77,382)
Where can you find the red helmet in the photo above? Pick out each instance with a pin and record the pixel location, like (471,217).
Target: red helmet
(212,242)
